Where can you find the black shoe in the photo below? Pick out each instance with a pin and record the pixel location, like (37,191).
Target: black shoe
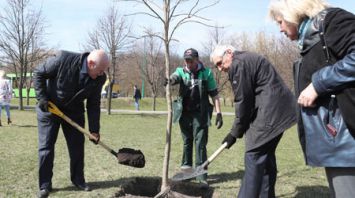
(43,193)
(83,186)
(204,184)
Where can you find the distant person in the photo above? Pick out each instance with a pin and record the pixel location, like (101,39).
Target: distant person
(137,96)
(67,79)
(324,85)
(5,96)
(197,84)
(264,109)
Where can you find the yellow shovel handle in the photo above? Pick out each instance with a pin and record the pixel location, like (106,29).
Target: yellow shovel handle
(55,110)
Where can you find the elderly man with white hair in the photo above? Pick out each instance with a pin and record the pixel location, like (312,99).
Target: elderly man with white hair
(264,109)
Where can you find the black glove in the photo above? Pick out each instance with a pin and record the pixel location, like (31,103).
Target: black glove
(43,105)
(230,140)
(166,82)
(219,120)
(172,81)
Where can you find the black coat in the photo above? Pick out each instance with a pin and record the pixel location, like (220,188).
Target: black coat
(328,40)
(57,80)
(338,42)
(264,106)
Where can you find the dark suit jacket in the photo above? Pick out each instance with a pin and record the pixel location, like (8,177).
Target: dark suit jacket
(264,106)
(58,80)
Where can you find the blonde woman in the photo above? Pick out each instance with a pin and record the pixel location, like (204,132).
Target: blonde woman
(325,86)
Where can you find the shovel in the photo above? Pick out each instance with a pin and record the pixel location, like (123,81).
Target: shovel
(200,170)
(125,156)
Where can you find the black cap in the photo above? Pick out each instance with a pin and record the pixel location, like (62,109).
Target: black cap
(190,53)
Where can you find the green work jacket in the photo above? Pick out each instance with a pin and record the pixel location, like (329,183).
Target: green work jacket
(207,87)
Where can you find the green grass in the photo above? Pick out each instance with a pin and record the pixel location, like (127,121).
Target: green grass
(127,103)
(18,161)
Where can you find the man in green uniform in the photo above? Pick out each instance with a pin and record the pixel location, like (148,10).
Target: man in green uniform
(196,84)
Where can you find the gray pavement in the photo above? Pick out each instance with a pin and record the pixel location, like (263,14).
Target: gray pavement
(123,111)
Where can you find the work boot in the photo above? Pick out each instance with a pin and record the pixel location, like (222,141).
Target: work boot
(82,186)
(186,169)
(9,121)
(0,123)
(43,193)
(203,184)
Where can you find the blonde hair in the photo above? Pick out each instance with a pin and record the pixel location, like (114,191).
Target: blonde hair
(219,51)
(295,11)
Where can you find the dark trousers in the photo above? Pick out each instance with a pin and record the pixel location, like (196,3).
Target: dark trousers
(193,131)
(260,171)
(341,181)
(48,127)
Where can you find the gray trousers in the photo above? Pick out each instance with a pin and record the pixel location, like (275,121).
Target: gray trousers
(341,181)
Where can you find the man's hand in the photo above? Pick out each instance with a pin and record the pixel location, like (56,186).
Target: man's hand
(97,138)
(219,120)
(43,105)
(308,96)
(230,140)
(167,80)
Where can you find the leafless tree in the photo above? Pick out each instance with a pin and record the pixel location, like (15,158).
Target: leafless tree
(278,50)
(111,34)
(171,15)
(21,34)
(216,36)
(150,60)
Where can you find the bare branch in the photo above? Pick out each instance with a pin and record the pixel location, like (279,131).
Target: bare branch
(143,13)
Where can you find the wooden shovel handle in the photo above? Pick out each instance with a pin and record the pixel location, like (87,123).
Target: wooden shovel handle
(55,110)
(215,154)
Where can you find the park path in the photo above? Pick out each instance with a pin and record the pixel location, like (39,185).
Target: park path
(126,111)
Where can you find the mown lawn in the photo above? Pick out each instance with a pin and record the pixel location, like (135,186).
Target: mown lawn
(127,103)
(18,161)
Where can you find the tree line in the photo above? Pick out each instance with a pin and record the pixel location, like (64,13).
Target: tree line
(135,59)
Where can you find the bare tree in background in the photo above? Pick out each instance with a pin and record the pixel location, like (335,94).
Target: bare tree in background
(111,34)
(151,64)
(279,51)
(172,16)
(21,33)
(216,36)
(36,56)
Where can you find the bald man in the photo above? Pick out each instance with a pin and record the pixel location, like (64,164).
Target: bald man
(67,79)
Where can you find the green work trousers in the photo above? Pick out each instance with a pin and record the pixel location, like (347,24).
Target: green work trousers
(193,131)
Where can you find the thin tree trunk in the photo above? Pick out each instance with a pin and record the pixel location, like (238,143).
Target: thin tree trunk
(28,89)
(164,184)
(20,106)
(154,102)
(109,98)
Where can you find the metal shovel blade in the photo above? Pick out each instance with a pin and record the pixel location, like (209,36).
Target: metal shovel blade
(200,170)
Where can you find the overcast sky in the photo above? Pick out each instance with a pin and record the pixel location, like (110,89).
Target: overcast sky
(69,20)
